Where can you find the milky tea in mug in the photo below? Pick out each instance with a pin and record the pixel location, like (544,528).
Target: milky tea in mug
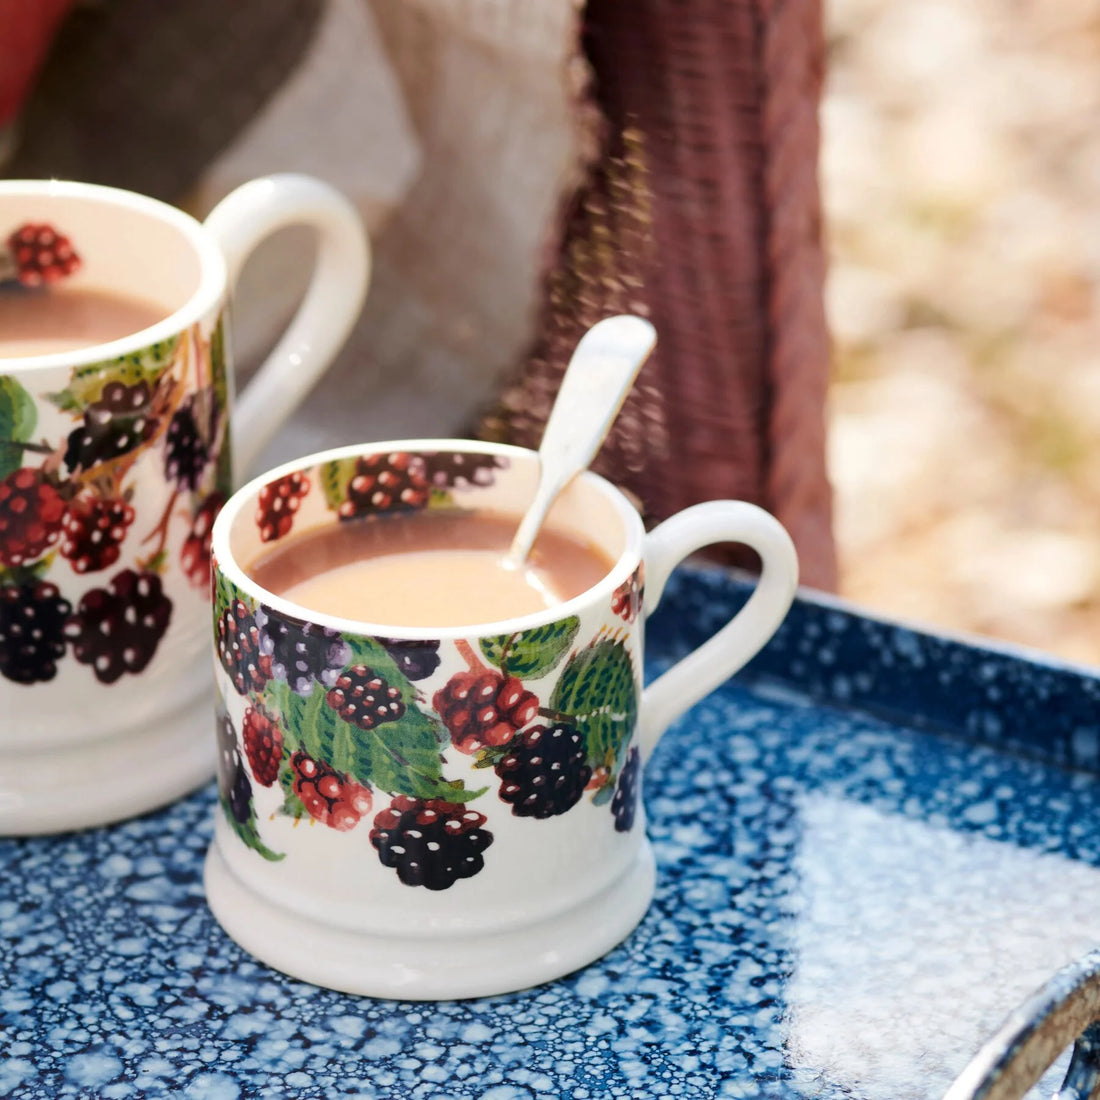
(445,567)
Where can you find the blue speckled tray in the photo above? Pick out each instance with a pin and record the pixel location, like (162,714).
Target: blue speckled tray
(871,845)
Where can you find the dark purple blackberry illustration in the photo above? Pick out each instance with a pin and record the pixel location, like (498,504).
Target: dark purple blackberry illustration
(118,423)
(237,639)
(624,805)
(544,771)
(300,653)
(416,660)
(117,629)
(363,698)
(32,631)
(430,843)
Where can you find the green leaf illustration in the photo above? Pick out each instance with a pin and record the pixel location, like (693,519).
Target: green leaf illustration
(18,417)
(399,757)
(249,834)
(604,795)
(335,477)
(598,690)
(219,373)
(86,384)
(532,653)
(225,593)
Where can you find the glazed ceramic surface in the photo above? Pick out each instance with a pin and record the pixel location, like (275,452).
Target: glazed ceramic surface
(449,813)
(114,460)
(872,846)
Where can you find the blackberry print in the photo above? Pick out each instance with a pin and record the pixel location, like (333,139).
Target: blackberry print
(544,772)
(386,483)
(41,255)
(430,843)
(263,745)
(417,660)
(118,423)
(329,796)
(32,631)
(238,644)
(459,470)
(195,552)
(363,698)
(186,454)
(300,653)
(32,509)
(484,708)
(117,629)
(93,531)
(233,784)
(624,804)
(278,502)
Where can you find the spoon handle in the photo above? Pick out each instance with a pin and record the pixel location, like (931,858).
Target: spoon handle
(600,373)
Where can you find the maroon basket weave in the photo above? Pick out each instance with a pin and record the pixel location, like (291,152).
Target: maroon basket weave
(703,214)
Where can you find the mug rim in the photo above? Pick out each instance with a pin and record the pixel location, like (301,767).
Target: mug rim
(212,272)
(225,562)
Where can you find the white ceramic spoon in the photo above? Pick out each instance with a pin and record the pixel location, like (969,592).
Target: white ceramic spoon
(596,382)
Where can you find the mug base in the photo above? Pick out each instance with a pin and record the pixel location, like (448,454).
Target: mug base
(84,786)
(407,968)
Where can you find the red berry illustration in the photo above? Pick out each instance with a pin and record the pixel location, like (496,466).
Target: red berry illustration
(364,698)
(92,531)
(330,797)
(41,254)
(118,629)
(195,553)
(386,483)
(31,511)
(263,744)
(277,504)
(430,843)
(484,707)
(626,600)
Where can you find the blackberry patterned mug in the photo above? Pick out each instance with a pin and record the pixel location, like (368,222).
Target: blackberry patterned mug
(368,838)
(114,459)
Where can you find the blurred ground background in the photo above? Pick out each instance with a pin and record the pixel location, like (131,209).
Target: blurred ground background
(961,175)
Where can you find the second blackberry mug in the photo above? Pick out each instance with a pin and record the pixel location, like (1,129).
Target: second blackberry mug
(114,459)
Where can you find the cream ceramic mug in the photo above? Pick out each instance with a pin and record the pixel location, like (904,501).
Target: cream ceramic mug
(114,459)
(428,813)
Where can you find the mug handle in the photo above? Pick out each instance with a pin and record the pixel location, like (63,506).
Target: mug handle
(718,658)
(327,313)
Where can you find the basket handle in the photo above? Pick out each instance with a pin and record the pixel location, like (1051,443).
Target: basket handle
(1065,1010)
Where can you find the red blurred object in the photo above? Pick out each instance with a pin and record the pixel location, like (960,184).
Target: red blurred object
(27,28)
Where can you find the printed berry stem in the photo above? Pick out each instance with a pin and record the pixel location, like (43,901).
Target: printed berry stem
(466,652)
(160,531)
(34,448)
(554,715)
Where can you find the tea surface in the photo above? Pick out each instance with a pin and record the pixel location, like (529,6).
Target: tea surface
(427,569)
(41,322)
